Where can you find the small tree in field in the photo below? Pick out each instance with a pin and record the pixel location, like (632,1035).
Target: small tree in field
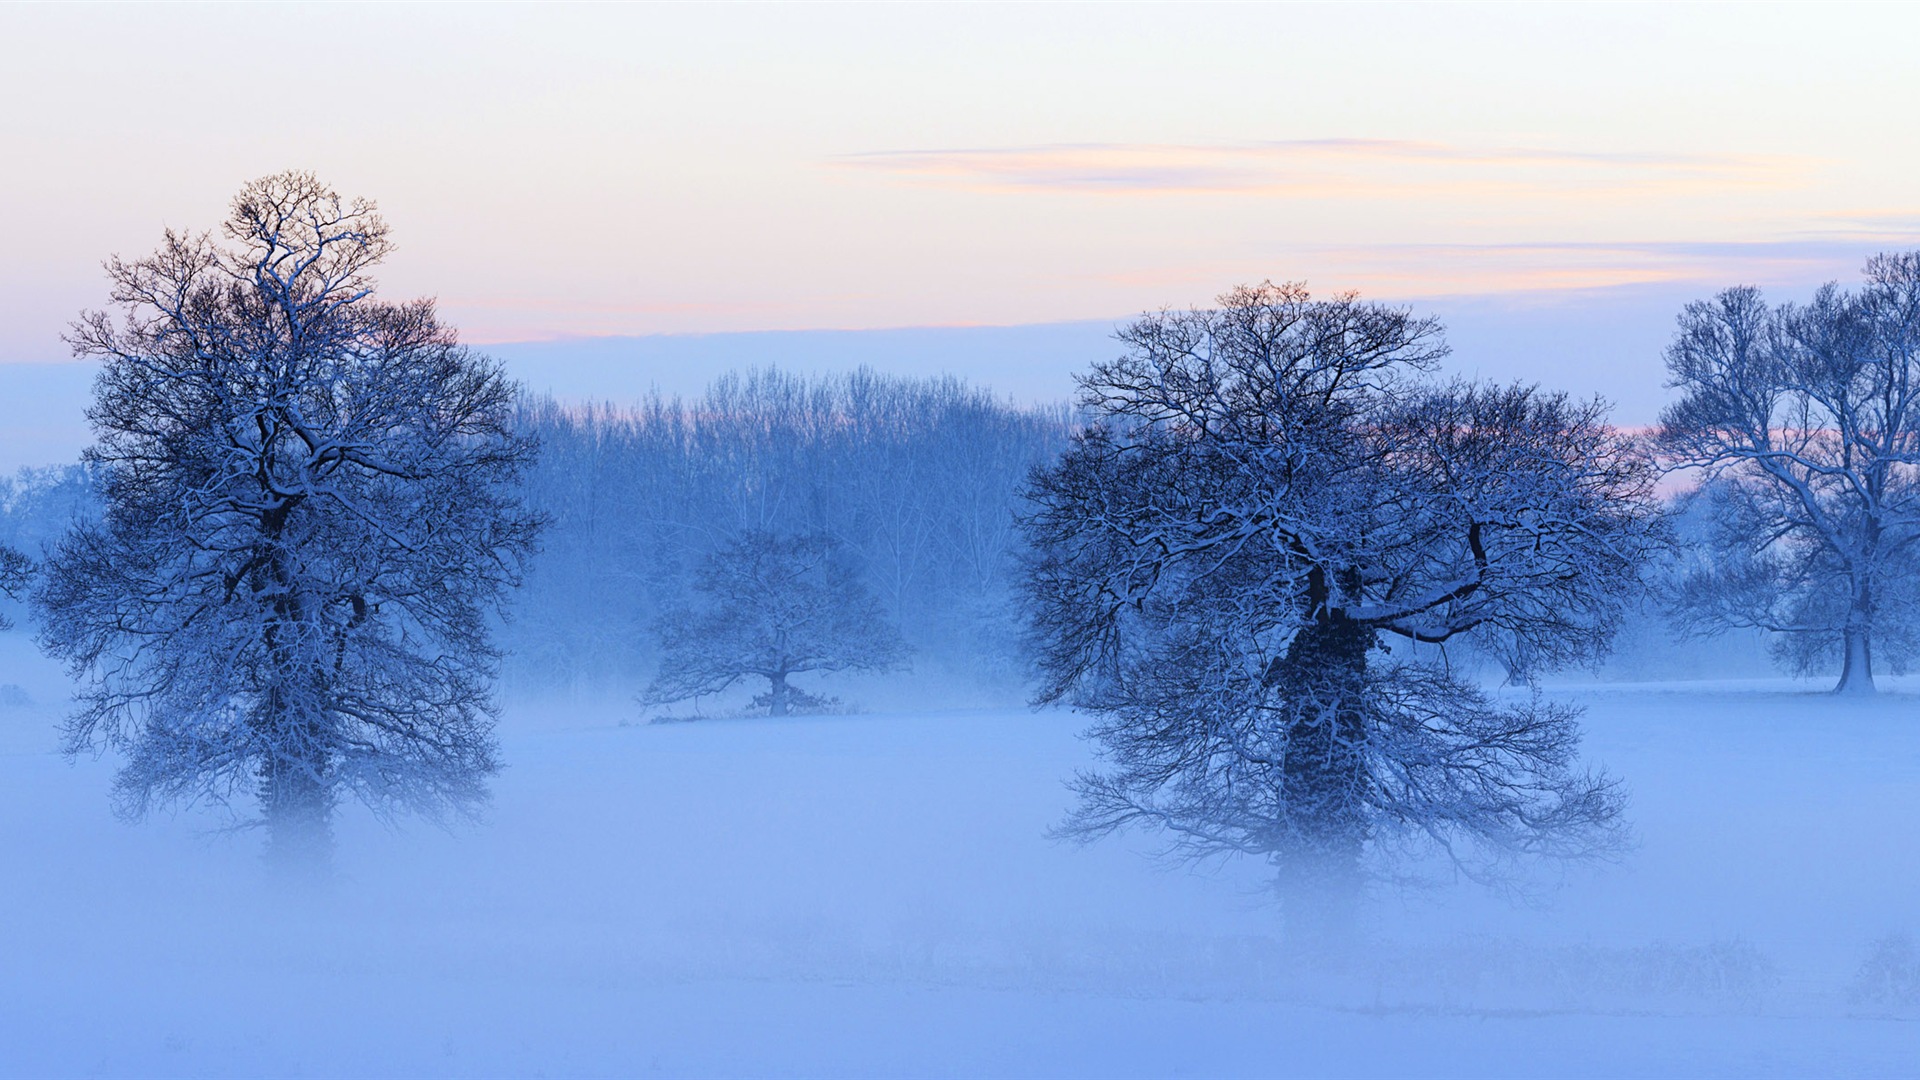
(775,607)
(1804,424)
(309,508)
(1246,564)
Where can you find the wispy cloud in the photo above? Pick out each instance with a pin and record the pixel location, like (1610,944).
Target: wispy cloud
(1797,259)
(1540,267)
(1323,168)
(1867,223)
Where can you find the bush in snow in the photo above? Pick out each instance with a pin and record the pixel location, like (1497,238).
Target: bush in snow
(1890,975)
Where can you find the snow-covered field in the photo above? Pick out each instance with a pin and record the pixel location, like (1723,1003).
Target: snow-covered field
(873,895)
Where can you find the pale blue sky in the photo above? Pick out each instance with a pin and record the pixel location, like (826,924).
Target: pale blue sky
(556,172)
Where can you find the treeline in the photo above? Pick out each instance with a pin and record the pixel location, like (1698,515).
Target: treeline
(37,504)
(916,479)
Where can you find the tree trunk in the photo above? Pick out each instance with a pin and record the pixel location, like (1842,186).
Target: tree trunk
(1323,678)
(1856,675)
(298,806)
(296,795)
(777,696)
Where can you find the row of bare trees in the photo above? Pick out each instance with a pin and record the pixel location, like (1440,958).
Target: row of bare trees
(913,481)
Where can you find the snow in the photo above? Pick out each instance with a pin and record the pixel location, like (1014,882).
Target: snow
(873,895)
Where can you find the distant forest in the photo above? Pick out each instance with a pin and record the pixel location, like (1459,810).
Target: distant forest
(918,479)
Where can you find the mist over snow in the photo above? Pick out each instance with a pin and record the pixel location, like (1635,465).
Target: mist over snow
(872,895)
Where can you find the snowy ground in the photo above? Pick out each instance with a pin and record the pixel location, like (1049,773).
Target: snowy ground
(872,896)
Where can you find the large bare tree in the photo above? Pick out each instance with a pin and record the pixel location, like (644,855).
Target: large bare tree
(310,508)
(1802,423)
(1250,561)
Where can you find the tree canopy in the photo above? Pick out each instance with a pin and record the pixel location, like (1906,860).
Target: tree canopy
(1803,424)
(310,506)
(1249,563)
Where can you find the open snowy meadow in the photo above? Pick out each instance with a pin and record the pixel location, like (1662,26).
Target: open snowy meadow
(1015,540)
(874,895)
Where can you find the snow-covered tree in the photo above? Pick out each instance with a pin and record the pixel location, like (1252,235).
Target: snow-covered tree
(774,607)
(1248,564)
(37,504)
(16,569)
(1803,424)
(309,509)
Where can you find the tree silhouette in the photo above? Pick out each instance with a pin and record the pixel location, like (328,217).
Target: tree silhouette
(1245,566)
(310,505)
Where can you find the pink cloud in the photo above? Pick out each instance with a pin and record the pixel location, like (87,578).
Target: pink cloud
(1324,168)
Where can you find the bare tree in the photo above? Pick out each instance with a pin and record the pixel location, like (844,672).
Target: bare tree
(1247,565)
(775,607)
(1803,424)
(309,509)
(16,571)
